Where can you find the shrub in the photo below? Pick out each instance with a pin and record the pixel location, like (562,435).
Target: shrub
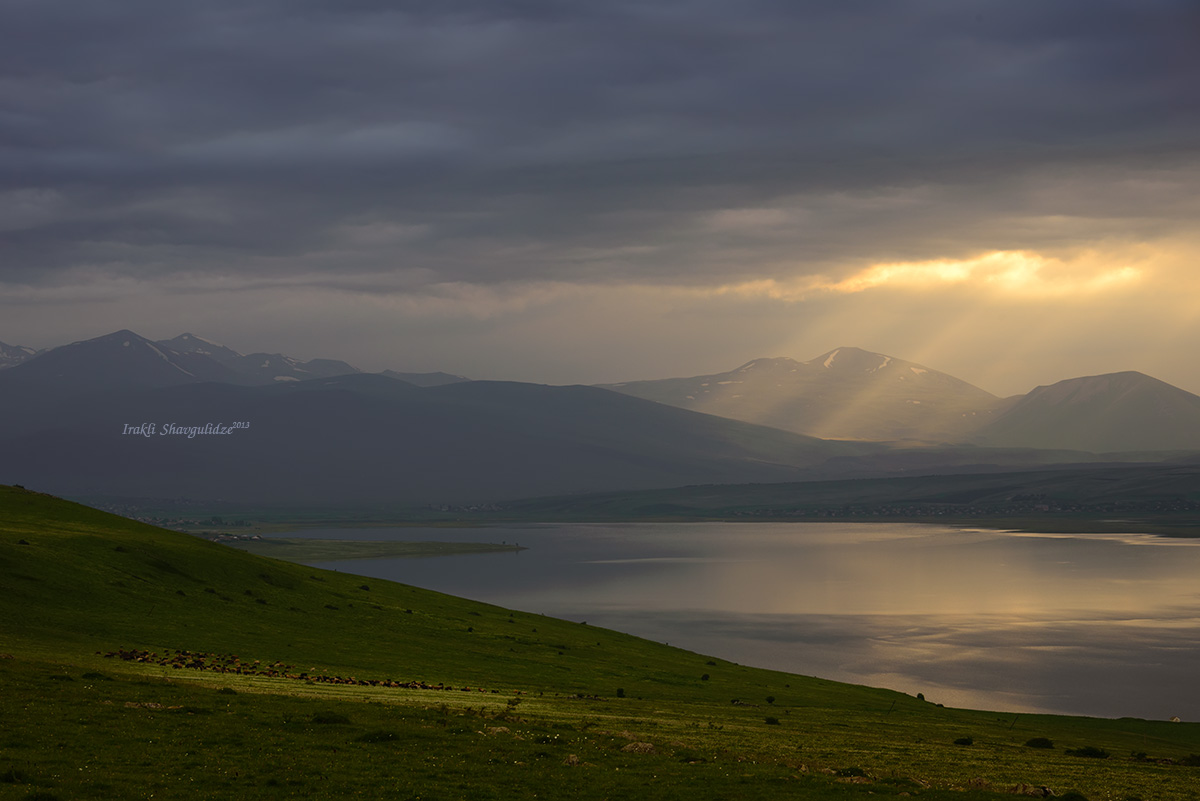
(330,718)
(227,691)
(1089,751)
(13,776)
(1191,760)
(770,699)
(620,692)
(1040,742)
(964,741)
(704,677)
(772,721)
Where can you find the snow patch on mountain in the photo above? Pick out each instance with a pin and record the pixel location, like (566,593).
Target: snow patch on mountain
(167,359)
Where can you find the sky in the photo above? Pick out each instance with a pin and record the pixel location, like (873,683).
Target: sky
(571,192)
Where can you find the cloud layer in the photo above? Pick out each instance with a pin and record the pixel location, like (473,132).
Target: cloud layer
(504,163)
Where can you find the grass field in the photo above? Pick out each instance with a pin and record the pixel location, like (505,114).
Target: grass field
(248,677)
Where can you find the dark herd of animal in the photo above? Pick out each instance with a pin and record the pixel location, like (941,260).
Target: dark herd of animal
(231,663)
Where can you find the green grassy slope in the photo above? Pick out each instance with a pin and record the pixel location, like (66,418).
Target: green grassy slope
(571,701)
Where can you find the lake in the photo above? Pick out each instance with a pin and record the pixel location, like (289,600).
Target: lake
(1105,625)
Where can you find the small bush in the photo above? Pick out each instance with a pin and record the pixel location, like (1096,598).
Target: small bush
(964,741)
(772,721)
(1191,761)
(227,691)
(770,699)
(620,692)
(704,677)
(13,776)
(1040,742)
(1089,751)
(330,718)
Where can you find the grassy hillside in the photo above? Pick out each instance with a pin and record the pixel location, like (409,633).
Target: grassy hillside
(230,691)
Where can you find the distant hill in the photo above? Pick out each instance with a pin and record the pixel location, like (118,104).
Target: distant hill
(371,438)
(426,379)
(1163,496)
(847,393)
(1126,411)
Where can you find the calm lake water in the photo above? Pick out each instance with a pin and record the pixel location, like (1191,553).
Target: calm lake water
(1101,625)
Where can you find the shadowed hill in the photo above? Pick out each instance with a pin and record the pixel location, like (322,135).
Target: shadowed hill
(1163,496)
(368,438)
(1126,411)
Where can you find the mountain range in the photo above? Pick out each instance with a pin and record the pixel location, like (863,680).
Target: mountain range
(76,420)
(88,419)
(854,394)
(847,393)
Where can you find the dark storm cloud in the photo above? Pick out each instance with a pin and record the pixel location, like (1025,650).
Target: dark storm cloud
(484,141)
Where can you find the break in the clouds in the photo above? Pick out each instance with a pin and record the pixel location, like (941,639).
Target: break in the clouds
(349,173)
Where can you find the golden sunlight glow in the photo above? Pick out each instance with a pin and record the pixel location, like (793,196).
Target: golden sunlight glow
(1013,272)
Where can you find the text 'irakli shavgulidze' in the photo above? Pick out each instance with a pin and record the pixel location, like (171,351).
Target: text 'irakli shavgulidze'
(173,430)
